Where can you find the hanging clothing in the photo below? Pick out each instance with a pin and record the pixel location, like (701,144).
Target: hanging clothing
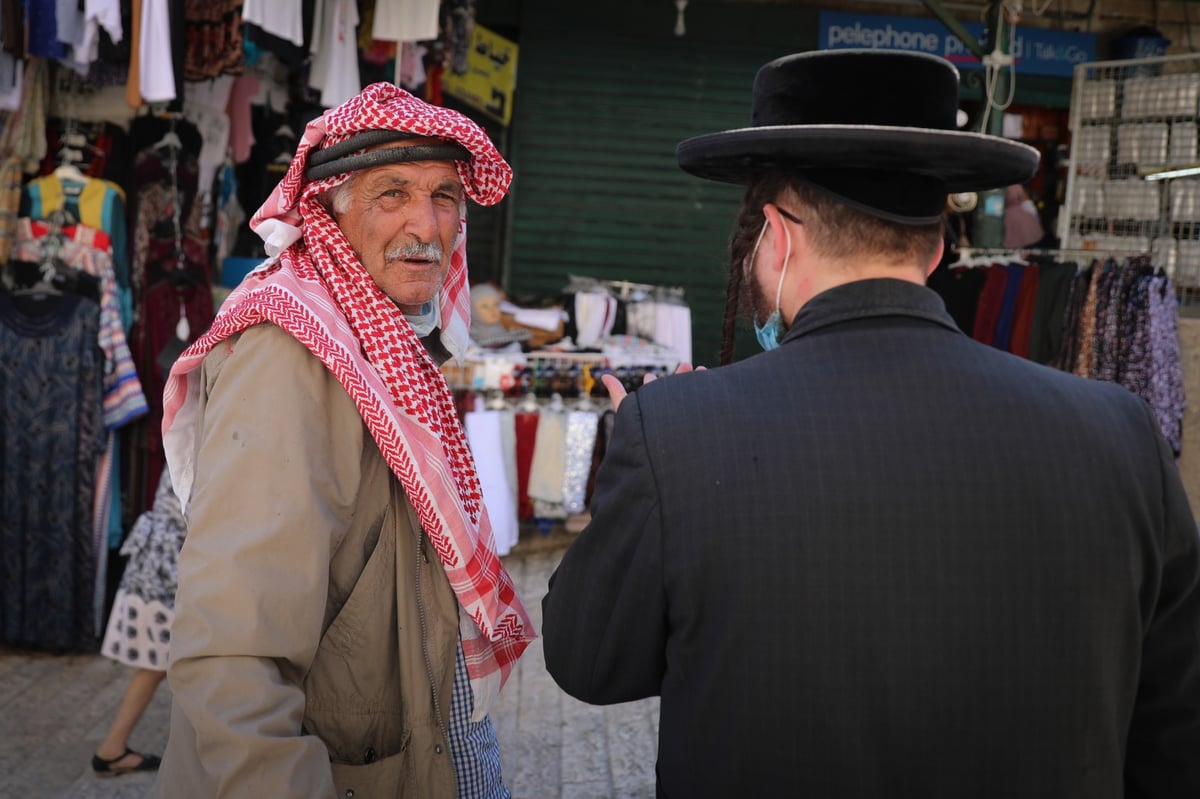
(96,203)
(1166,395)
(52,431)
(10,74)
(1014,276)
(1086,359)
(485,436)
(241,131)
(11,182)
(548,466)
(1049,310)
(577,461)
(156,64)
(282,18)
(991,302)
(133,84)
(526,425)
(42,29)
(214,39)
(88,250)
(334,67)
(164,305)
(204,105)
(1022,329)
(406,20)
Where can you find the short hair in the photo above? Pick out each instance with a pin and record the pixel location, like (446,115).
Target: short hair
(834,230)
(337,199)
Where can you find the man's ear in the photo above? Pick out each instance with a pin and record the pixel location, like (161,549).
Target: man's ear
(937,258)
(775,241)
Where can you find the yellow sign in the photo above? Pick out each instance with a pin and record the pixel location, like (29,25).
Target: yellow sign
(491,75)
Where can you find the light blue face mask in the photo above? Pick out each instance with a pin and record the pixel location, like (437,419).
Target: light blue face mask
(769,333)
(427,319)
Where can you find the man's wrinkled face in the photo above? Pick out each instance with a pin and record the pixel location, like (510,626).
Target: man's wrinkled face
(401,220)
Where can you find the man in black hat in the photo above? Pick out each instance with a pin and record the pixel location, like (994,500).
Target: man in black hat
(882,559)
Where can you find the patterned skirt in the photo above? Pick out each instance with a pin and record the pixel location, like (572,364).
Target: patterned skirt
(139,627)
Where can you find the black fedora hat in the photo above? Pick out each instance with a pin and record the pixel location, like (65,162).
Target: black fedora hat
(874,128)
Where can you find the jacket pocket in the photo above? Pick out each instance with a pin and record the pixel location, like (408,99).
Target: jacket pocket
(382,779)
(353,700)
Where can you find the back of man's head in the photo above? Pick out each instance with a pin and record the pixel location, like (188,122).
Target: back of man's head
(835,231)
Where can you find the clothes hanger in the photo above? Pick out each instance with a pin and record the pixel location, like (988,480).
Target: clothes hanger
(67,169)
(528,403)
(170,139)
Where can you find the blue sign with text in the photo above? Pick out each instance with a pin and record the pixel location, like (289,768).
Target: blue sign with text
(1035,51)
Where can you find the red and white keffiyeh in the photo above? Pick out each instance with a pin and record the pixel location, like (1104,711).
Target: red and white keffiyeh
(314,287)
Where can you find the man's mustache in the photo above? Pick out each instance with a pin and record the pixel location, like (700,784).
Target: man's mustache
(431,251)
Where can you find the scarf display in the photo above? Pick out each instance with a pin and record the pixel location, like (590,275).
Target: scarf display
(314,286)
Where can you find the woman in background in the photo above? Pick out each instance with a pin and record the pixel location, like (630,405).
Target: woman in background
(139,627)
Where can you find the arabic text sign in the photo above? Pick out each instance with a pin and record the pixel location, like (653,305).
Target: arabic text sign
(491,75)
(1036,51)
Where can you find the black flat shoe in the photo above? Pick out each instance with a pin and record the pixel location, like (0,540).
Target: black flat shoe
(105,768)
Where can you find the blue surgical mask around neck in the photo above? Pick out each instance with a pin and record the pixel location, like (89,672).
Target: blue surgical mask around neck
(424,322)
(770,332)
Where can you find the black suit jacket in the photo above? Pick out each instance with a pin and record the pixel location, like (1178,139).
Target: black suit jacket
(885,560)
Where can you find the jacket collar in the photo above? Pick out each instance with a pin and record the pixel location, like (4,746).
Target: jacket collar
(864,299)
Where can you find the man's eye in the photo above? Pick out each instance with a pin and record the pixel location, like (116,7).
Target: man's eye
(445,197)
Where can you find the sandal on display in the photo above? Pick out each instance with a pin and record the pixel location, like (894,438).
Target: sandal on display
(108,768)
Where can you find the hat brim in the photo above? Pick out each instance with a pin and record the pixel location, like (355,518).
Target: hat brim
(965,161)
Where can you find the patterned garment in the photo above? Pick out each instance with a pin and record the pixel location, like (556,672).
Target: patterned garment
(11,180)
(1136,372)
(581,440)
(214,39)
(474,749)
(1107,312)
(139,626)
(124,400)
(51,433)
(152,209)
(1166,395)
(1085,360)
(316,289)
(1122,329)
(97,204)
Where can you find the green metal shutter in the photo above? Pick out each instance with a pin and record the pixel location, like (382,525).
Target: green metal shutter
(597,189)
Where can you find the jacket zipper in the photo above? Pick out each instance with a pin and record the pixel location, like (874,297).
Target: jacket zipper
(437,706)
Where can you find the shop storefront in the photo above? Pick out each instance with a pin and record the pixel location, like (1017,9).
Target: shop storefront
(146,182)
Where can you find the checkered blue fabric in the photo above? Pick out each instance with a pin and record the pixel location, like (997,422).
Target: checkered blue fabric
(473,746)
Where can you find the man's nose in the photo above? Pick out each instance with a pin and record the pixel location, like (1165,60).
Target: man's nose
(422,221)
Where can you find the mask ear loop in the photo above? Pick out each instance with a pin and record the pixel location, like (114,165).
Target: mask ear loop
(748,264)
(787,256)
(783,273)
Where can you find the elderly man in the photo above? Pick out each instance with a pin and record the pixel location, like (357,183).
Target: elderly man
(882,559)
(342,621)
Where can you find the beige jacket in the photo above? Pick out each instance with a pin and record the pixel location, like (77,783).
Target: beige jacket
(314,641)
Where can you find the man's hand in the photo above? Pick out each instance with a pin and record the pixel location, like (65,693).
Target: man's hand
(616,391)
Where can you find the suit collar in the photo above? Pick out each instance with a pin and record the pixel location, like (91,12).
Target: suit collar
(863,299)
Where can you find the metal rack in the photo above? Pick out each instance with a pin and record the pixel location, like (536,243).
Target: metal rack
(1131,120)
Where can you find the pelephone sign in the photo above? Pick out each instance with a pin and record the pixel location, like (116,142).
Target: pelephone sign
(1036,51)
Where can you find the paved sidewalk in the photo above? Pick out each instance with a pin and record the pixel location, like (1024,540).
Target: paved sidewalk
(55,710)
